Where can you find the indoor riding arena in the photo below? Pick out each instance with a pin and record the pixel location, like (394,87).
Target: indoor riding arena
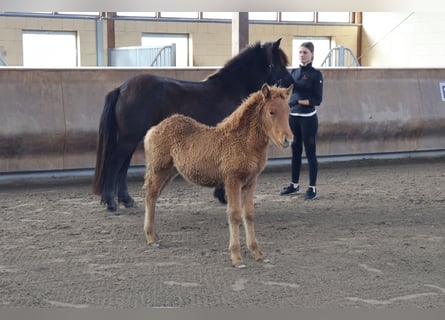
(373,238)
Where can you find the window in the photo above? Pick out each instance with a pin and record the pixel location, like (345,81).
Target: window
(297,16)
(322,46)
(190,15)
(137,14)
(49,49)
(333,17)
(79,13)
(268,16)
(217,15)
(180,40)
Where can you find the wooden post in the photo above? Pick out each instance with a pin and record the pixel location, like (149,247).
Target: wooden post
(240,31)
(110,30)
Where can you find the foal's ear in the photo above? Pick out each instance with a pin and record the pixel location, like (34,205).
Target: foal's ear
(289,91)
(265,90)
(277,43)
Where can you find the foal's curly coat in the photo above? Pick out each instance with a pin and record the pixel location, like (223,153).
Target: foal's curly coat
(232,154)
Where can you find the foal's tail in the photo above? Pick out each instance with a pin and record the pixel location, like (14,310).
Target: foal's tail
(107,139)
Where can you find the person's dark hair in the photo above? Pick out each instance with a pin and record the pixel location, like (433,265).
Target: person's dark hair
(308,45)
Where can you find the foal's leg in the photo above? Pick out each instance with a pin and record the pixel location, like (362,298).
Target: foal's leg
(154,184)
(152,192)
(248,218)
(233,192)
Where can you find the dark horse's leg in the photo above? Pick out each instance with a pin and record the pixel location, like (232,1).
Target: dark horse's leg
(122,187)
(110,181)
(220,194)
(116,174)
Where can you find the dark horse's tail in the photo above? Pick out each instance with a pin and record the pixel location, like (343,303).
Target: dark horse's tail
(107,139)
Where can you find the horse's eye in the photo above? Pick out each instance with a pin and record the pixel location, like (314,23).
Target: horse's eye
(271,113)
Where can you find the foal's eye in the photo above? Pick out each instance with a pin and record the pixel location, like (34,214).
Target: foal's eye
(271,113)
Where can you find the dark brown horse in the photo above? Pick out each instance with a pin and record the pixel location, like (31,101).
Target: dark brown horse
(145,100)
(232,154)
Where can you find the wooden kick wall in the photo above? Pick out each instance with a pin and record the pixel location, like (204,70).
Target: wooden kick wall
(49,118)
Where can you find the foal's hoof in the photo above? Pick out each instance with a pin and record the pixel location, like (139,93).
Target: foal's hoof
(264,260)
(220,194)
(155,244)
(239,265)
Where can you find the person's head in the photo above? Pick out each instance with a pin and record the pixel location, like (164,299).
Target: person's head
(306,53)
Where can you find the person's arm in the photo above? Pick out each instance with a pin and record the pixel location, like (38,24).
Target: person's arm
(317,92)
(317,87)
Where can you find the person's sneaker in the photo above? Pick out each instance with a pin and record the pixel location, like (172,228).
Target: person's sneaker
(290,189)
(311,193)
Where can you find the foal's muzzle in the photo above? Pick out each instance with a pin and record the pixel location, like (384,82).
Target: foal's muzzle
(286,143)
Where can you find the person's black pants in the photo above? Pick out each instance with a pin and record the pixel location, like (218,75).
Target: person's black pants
(305,133)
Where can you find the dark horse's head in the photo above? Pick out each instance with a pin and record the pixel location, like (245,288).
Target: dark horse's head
(256,65)
(278,62)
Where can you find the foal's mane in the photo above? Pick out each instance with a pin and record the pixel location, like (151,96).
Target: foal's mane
(252,105)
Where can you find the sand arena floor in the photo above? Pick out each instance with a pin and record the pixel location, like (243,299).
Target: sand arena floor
(374,238)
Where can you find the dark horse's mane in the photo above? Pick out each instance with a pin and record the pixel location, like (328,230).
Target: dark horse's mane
(253,52)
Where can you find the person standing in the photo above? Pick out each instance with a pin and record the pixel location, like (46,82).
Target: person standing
(303,120)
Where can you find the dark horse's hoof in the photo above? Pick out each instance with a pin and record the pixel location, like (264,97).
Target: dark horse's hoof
(220,194)
(111,205)
(128,201)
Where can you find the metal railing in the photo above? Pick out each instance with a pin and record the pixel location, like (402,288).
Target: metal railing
(2,57)
(164,56)
(340,57)
(3,62)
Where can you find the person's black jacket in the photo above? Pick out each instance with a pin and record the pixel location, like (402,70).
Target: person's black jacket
(308,84)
